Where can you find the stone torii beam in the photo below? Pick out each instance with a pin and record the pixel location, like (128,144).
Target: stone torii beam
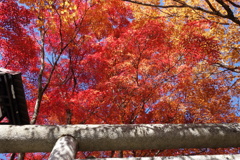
(40,138)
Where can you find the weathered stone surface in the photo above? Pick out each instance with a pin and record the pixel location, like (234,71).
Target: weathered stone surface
(37,138)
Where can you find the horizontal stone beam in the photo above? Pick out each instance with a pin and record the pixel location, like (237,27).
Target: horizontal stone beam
(41,138)
(195,157)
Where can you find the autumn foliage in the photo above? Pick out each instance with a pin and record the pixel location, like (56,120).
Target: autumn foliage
(114,62)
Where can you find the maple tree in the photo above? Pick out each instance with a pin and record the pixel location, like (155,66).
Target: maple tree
(130,65)
(224,14)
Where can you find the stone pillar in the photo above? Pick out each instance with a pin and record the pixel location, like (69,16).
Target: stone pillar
(64,149)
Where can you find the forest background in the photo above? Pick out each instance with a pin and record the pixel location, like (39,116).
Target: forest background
(125,62)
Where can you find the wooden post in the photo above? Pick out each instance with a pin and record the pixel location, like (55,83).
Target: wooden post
(64,149)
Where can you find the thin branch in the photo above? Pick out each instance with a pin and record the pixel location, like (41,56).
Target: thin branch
(211,6)
(229,16)
(40,76)
(201,9)
(153,5)
(227,8)
(21,156)
(112,153)
(197,153)
(233,84)
(233,69)
(159,151)
(13,156)
(69,116)
(234,4)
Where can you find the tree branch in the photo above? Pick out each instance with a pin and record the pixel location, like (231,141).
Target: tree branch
(233,69)
(153,5)
(234,4)
(227,8)
(40,76)
(229,16)
(211,6)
